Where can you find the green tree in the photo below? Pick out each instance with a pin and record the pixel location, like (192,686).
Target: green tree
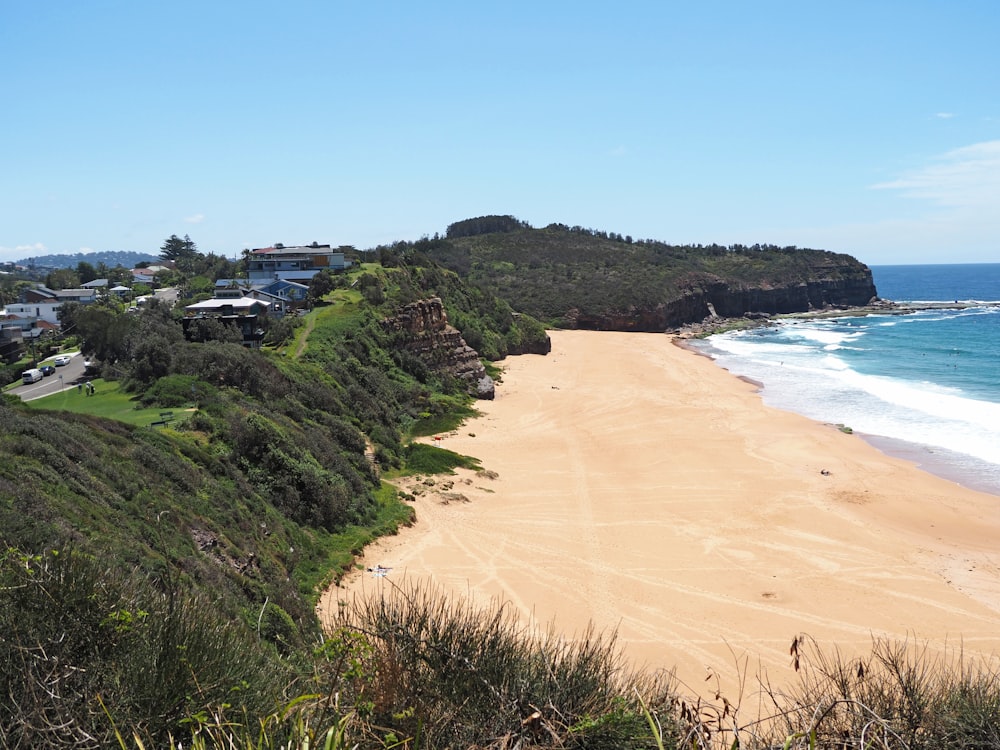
(170,278)
(67,314)
(178,250)
(11,288)
(197,285)
(241,269)
(321,285)
(152,343)
(213,329)
(213,266)
(62,278)
(281,330)
(105,332)
(115,276)
(86,272)
(371,288)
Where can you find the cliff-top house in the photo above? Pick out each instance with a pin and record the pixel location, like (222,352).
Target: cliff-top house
(246,314)
(299,263)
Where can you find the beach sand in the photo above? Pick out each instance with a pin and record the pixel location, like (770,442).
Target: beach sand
(642,488)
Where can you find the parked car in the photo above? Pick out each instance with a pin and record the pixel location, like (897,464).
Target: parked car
(61,360)
(47,370)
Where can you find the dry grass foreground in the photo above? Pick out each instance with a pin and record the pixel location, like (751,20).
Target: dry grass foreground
(642,488)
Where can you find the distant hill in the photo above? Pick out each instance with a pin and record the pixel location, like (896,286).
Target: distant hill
(110,258)
(583,278)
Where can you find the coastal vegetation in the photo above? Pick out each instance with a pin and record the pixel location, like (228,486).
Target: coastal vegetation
(94,656)
(162,542)
(588,278)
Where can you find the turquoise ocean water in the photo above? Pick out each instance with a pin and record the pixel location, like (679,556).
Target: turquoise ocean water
(925,385)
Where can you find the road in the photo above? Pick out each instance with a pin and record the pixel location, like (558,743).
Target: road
(69,375)
(65,377)
(168,294)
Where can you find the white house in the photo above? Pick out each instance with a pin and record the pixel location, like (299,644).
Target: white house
(43,303)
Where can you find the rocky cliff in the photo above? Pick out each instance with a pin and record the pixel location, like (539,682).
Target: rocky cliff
(424,332)
(710,298)
(587,279)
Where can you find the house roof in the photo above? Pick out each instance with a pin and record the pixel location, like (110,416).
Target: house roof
(69,293)
(283,284)
(261,294)
(95,284)
(149,270)
(233,282)
(238,304)
(42,291)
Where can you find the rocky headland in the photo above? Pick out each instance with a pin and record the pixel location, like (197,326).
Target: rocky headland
(427,335)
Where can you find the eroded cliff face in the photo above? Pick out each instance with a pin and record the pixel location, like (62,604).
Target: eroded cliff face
(708,298)
(428,335)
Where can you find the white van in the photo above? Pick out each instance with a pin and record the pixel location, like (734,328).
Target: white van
(31,376)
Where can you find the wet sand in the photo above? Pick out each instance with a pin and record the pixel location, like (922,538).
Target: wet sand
(642,488)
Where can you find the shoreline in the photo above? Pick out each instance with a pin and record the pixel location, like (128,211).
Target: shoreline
(923,457)
(644,489)
(927,459)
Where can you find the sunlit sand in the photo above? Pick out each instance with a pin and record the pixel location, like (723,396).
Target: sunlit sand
(642,488)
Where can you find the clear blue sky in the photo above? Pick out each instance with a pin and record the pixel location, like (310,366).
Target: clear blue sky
(871,128)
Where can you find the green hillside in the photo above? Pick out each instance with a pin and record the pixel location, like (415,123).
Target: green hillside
(558,272)
(265,451)
(264,481)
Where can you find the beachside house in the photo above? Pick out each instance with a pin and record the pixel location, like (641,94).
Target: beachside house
(299,263)
(284,296)
(290,290)
(247,314)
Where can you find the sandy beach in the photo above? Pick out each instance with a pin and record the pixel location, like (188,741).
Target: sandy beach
(642,488)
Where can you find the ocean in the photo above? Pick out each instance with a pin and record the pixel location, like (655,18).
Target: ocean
(924,385)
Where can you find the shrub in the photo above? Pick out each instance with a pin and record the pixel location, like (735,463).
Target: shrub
(174,391)
(280,331)
(901,696)
(456,676)
(82,643)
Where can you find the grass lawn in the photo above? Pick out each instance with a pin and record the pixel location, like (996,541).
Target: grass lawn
(107,401)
